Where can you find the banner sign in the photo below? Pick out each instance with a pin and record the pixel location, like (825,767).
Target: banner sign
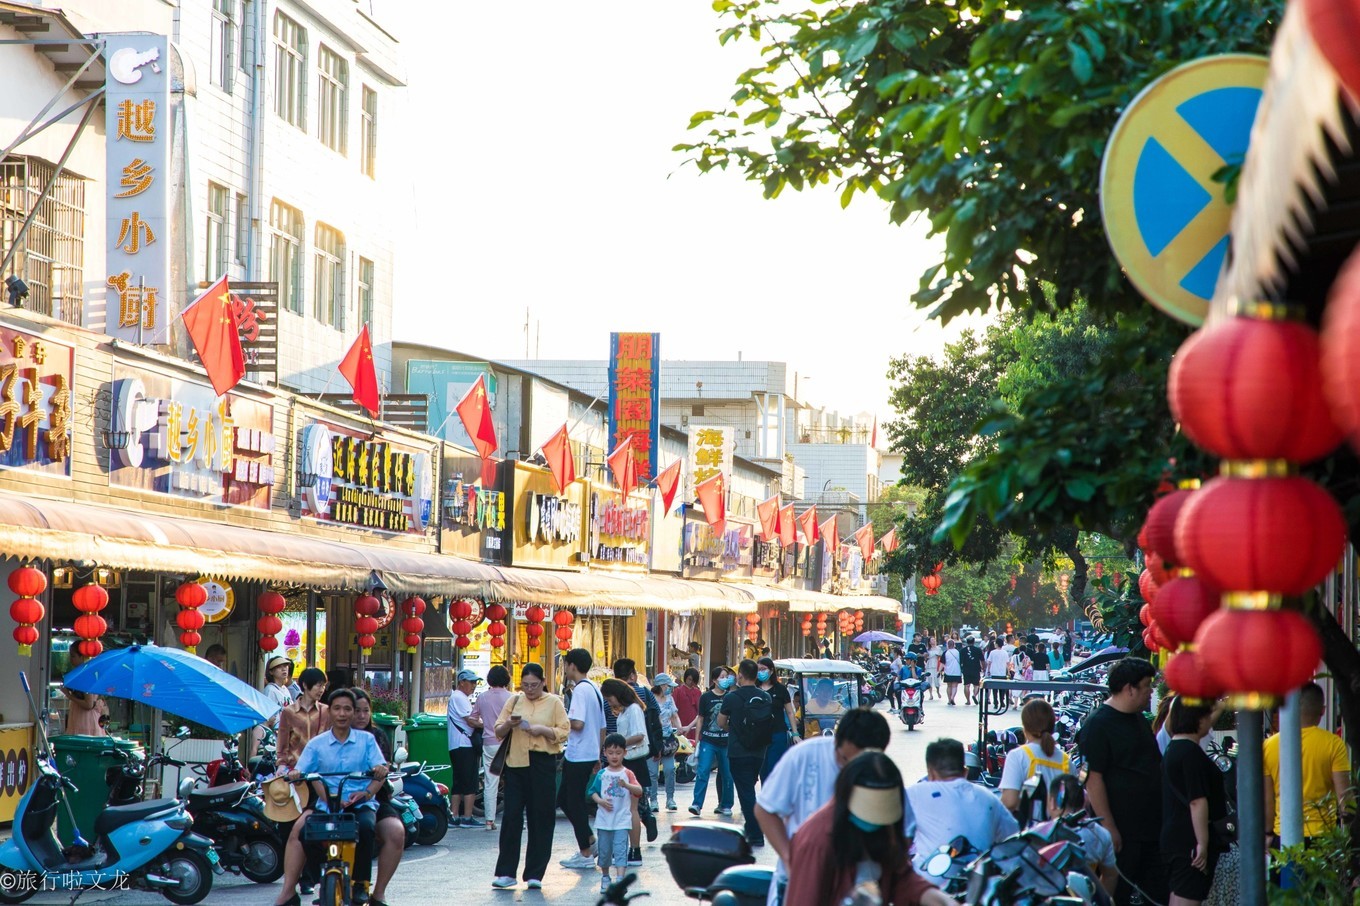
(177,437)
(364,482)
(708,554)
(548,528)
(35,403)
(619,532)
(137,173)
(635,397)
(444,384)
(710,451)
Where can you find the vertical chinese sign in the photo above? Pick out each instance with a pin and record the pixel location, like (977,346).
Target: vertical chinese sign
(137,134)
(635,397)
(710,450)
(35,403)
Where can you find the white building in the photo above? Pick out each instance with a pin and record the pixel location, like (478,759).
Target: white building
(288,107)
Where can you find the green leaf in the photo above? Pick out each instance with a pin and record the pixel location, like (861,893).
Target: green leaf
(1080,489)
(1081,62)
(861,46)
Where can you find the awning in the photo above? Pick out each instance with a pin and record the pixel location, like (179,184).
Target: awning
(802,600)
(568,589)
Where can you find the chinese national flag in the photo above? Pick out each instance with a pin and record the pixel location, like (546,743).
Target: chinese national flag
(667,482)
(624,467)
(212,329)
(865,538)
(475,412)
(357,368)
(889,541)
(557,451)
(768,513)
(786,526)
(713,496)
(828,533)
(807,524)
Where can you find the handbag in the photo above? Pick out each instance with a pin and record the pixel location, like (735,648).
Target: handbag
(669,746)
(1222,831)
(497,766)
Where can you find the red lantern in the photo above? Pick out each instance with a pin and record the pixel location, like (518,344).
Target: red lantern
(268,642)
(1145,614)
(413,625)
(1147,586)
(271,602)
(1186,675)
(1143,537)
(1155,565)
(563,618)
(1251,389)
(1182,605)
(497,641)
(535,614)
(1280,535)
(25,635)
(413,606)
(365,625)
(495,629)
(752,619)
(460,609)
(1161,525)
(1258,655)
(564,633)
(191,620)
(412,642)
(931,582)
(533,630)
(90,598)
(28,582)
(367,606)
(463,627)
(366,643)
(191,595)
(89,648)
(90,626)
(496,612)
(806,632)
(27,610)
(1149,642)
(268,625)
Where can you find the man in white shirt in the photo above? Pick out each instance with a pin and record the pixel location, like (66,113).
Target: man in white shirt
(462,755)
(946,805)
(805,780)
(581,759)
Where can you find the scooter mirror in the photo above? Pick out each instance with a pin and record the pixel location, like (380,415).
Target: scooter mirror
(938,864)
(399,756)
(1080,885)
(182,733)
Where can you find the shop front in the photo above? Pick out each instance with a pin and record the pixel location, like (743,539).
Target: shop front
(710,557)
(619,544)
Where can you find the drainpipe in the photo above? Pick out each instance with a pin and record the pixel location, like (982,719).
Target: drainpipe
(255,148)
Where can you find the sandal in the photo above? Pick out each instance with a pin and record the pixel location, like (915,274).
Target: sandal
(490,825)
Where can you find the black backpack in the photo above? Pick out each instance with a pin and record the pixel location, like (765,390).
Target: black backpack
(754,725)
(654,734)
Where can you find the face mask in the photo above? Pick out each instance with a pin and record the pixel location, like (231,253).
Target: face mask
(763,675)
(726,682)
(866,826)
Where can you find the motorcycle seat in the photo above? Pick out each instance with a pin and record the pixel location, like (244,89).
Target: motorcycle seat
(213,797)
(110,819)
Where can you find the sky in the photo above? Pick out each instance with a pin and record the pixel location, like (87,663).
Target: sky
(541,139)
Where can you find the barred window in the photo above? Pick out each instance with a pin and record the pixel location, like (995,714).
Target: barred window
(285,253)
(368,132)
(328,276)
(332,99)
(51,256)
(222,44)
(215,232)
(290,70)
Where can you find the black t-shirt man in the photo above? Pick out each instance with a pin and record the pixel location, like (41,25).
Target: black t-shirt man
(734,706)
(970,661)
(1123,749)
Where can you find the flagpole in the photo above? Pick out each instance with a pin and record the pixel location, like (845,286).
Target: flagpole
(330,378)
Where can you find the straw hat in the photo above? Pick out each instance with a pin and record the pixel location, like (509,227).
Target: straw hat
(277,660)
(281,801)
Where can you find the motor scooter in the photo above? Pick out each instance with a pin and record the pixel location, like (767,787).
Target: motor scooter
(431,797)
(913,709)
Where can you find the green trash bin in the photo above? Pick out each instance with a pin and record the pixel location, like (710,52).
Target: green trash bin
(78,758)
(388,723)
(427,740)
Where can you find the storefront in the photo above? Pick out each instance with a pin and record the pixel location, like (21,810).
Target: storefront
(710,557)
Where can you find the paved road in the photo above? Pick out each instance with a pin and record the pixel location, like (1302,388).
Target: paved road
(459,869)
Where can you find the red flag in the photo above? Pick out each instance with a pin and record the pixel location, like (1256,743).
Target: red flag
(889,541)
(874,442)
(786,526)
(827,530)
(865,538)
(807,524)
(624,467)
(212,329)
(713,496)
(357,368)
(475,413)
(557,451)
(667,482)
(768,513)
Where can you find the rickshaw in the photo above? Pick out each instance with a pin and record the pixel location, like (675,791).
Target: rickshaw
(1071,700)
(822,690)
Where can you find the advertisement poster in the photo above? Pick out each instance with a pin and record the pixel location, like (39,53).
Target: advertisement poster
(361,480)
(444,384)
(35,403)
(635,396)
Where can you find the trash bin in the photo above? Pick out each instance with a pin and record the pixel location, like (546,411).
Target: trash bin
(78,758)
(389,724)
(427,740)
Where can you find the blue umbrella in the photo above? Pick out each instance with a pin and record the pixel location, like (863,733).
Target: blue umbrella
(175,681)
(873,635)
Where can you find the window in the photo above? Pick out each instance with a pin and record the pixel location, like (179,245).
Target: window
(332,97)
(365,291)
(285,253)
(216,233)
(222,45)
(290,70)
(243,53)
(242,225)
(328,276)
(368,132)
(51,257)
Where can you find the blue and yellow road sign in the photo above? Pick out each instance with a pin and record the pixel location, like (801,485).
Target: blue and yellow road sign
(1166,219)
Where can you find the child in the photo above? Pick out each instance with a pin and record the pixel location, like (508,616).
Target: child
(1066,796)
(611,790)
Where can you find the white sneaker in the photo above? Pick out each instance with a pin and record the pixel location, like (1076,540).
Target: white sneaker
(534,884)
(503,882)
(604,884)
(577,861)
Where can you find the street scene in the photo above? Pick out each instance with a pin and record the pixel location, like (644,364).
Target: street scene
(873,453)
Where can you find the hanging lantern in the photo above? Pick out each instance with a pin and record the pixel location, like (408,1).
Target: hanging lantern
(28,582)
(563,633)
(1186,675)
(1258,655)
(90,598)
(89,648)
(497,633)
(1182,606)
(1161,523)
(90,626)
(412,626)
(1147,586)
(190,596)
(1161,574)
(533,632)
(563,618)
(1145,614)
(460,609)
(535,614)
(931,583)
(366,608)
(27,612)
(271,601)
(270,604)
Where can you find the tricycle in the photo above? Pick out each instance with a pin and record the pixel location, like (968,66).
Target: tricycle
(822,691)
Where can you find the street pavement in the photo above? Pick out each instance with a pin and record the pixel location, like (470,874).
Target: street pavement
(459,869)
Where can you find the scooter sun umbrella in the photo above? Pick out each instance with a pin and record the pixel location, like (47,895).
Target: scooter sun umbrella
(174,681)
(873,635)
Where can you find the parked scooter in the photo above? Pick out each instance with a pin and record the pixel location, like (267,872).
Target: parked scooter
(913,709)
(432,798)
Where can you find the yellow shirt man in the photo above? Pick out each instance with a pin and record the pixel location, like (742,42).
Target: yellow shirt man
(1326,775)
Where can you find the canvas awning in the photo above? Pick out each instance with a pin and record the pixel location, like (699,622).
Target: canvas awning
(802,600)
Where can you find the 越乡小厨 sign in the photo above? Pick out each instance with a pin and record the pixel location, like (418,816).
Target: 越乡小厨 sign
(635,397)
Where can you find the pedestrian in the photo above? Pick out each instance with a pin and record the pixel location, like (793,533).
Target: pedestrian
(946,805)
(1067,647)
(970,659)
(1055,658)
(805,780)
(1065,797)
(629,713)
(626,669)
(217,656)
(894,691)
(1038,756)
(747,713)
(686,697)
(581,759)
(1192,800)
(1326,771)
(86,711)
(1124,780)
(953,670)
(713,745)
(615,790)
(304,719)
(670,726)
(1039,659)
(278,673)
(534,725)
(998,663)
(488,707)
(465,725)
(933,655)
(861,833)
(785,718)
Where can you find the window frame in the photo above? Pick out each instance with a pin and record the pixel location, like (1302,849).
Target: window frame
(364,279)
(290,288)
(368,131)
(217,221)
(51,257)
(328,275)
(290,67)
(222,43)
(332,100)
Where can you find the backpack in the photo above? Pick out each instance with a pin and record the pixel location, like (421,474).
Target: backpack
(754,726)
(655,739)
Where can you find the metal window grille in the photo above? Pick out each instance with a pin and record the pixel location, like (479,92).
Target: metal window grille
(242,225)
(215,258)
(290,70)
(365,291)
(332,91)
(222,45)
(285,253)
(51,257)
(368,132)
(328,276)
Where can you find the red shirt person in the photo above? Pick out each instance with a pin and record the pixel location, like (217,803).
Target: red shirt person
(686,698)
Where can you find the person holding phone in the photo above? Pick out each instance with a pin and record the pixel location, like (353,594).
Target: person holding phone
(534,725)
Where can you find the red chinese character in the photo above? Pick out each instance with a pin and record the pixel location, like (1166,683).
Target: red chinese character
(642,440)
(635,346)
(640,409)
(634,379)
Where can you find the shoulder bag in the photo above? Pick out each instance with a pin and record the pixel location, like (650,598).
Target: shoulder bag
(497,765)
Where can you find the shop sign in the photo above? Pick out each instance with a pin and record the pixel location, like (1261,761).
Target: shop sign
(552,520)
(727,555)
(35,403)
(137,124)
(221,600)
(473,517)
(549,528)
(618,530)
(710,451)
(667,539)
(635,396)
(179,437)
(364,482)
(767,559)
(15,768)
(520,613)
